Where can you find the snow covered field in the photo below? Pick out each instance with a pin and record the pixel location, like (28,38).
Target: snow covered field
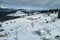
(25,28)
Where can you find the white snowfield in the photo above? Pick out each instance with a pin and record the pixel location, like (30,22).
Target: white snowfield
(24,28)
(18,13)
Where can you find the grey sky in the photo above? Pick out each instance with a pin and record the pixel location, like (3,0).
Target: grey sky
(30,3)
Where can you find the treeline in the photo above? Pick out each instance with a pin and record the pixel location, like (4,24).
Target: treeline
(8,18)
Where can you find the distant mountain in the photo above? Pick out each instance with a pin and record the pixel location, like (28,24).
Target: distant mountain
(6,11)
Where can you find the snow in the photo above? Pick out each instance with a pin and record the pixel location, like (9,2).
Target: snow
(23,28)
(18,13)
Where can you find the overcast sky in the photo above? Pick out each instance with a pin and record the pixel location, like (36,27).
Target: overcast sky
(37,4)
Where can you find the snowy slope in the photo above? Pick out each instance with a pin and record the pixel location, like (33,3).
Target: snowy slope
(18,13)
(24,28)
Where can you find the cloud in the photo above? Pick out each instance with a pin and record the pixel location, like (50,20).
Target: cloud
(31,3)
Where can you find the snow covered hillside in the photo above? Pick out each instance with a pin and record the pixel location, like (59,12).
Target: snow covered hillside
(34,27)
